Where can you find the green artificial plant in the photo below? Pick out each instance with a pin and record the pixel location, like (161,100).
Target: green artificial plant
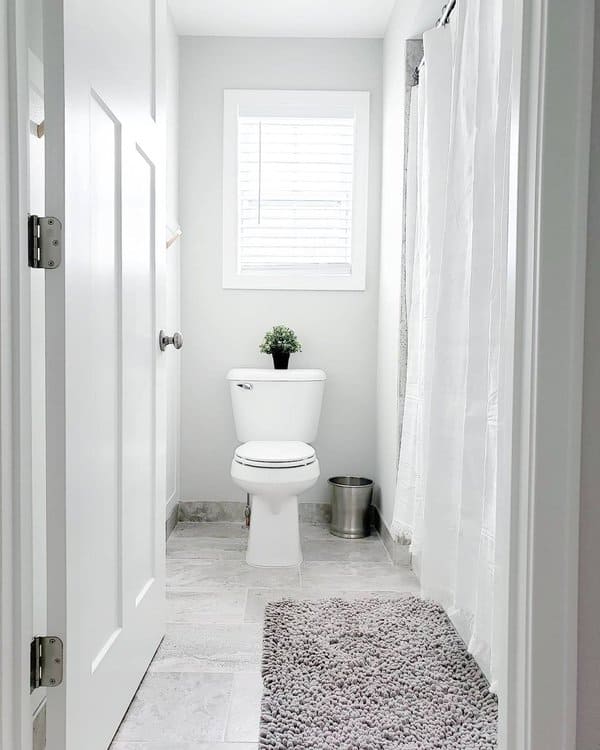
(280,339)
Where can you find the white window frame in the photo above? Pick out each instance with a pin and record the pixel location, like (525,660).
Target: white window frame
(256,103)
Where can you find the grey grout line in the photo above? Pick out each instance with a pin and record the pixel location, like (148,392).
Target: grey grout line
(226,725)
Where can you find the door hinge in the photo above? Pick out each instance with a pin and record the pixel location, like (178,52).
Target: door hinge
(46,662)
(45,241)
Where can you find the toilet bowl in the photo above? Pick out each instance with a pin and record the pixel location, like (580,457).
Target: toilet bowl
(276,414)
(274,473)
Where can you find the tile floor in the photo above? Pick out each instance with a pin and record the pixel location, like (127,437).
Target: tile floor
(203,688)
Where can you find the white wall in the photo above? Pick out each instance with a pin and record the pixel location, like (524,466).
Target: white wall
(588,728)
(223,328)
(409,20)
(173,321)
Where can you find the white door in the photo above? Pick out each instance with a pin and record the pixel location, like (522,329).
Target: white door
(105,372)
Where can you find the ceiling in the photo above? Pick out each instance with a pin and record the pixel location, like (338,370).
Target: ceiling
(282,18)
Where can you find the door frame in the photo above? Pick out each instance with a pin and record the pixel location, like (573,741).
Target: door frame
(550,156)
(16,560)
(551,116)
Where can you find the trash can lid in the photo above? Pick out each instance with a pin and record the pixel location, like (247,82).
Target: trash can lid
(350,481)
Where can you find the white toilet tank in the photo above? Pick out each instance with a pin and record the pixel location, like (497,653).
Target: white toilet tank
(276,404)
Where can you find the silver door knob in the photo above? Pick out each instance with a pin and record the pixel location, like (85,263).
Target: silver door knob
(164,340)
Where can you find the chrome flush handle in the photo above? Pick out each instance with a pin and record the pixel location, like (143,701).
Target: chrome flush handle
(165,340)
(245,386)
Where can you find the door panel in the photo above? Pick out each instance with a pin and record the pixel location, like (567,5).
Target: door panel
(105,380)
(103,563)
(139,356)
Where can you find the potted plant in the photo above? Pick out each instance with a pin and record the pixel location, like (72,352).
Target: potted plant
(280,342)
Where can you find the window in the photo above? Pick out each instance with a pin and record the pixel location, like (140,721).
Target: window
(295,172)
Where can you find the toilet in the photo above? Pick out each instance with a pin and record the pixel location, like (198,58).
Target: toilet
(276,415)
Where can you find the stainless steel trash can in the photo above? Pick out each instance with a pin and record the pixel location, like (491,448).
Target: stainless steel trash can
(350,506)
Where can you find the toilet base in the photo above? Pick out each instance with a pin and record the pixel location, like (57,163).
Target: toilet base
(274,537)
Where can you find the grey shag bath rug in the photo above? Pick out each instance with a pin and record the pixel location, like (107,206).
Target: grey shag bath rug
(370,675)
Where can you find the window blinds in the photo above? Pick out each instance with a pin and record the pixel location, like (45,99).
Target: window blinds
(295,178)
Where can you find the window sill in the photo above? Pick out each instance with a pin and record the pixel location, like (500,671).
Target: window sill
(354,283)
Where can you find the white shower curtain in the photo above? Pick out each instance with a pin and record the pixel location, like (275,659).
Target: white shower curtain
(448,474)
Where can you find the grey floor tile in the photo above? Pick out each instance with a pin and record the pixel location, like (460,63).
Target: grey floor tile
(370,549)
(318,531)
(207,548)
(244,712)
(209,648)
(221,607)
(209,575)
(357,576)
(181,707)
(211,529)
(204,688)
(315,531)
(259,598)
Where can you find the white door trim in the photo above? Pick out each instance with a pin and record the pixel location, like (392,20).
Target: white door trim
(15,405)
(549,198)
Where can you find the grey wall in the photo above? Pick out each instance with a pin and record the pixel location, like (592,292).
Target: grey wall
(223,328)
(588,725)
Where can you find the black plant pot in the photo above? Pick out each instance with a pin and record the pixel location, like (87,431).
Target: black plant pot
(280,360)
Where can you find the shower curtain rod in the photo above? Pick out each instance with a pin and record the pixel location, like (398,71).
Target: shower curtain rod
(446,11)
(442,21)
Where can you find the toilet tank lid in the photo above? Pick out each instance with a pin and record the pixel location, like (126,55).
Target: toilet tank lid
(258,375)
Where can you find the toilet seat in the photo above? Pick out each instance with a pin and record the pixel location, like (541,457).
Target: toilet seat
(267,454)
